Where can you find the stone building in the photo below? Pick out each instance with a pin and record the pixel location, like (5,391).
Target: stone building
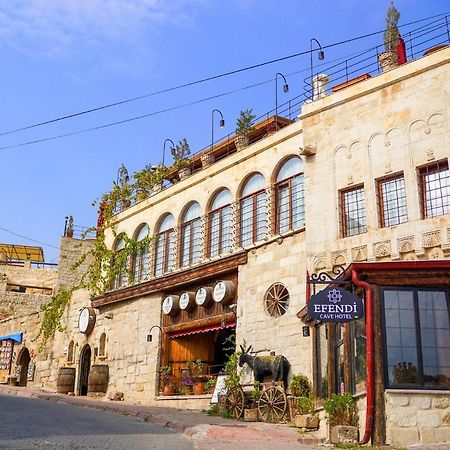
(360,180)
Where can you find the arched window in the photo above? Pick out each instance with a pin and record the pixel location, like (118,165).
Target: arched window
(191,235)
(164,250)
(253,207)
(102,345)
(140,269)
(121,277)
(290,196)
(70,352)
(220,226)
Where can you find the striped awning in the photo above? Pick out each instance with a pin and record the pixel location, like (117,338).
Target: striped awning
(204,329)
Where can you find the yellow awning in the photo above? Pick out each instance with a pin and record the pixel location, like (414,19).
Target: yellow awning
(22,252)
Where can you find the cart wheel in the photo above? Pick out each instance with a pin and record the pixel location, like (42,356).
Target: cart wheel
(272,404)
(235,402)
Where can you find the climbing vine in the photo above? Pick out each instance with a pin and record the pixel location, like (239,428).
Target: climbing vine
(51,320)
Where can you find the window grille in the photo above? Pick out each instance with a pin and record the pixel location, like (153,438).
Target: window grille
(290,196)
(392,201)
(434,186)
(165,246)
(253,211)
(352,211)
(141,258)
(121,278)
(220,224)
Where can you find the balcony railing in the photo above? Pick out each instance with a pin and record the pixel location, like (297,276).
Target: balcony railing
(418,42)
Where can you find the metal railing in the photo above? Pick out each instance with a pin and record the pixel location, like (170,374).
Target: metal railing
(417,42)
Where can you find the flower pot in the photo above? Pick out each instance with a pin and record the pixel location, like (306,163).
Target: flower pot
(387,60)
(184,173)
(207,159)
(251,415)
(241,142)
(343,434)
(168,390)
(307,421)
(199,389)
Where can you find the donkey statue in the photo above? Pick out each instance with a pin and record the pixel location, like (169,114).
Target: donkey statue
(276,366)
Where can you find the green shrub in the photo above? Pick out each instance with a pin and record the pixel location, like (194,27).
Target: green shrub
(341,410)
(305,405)
(300,386)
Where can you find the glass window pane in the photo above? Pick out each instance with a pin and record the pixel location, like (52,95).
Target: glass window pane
(293,166)
(393,201)
(254,184)
(353,212)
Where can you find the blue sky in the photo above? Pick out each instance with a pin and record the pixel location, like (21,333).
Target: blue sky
(60,57)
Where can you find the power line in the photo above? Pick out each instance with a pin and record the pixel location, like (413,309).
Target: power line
(203,80)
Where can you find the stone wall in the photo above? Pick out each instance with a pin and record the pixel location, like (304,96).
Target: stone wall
(417,417)
(281,261)
(20,304)
(392,123)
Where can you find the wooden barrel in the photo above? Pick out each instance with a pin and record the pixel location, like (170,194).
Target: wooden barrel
(98,378)
(66,380)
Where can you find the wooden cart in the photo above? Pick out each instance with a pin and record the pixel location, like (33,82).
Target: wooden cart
(272,403)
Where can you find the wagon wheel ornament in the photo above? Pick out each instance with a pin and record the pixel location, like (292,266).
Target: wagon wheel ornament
(272,404)
(276,300)
(235,402)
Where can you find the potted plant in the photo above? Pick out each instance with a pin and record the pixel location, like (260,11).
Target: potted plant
(210,384)
(167,380)
(196,368)
(388,59)
(251,414)
(244,128)
(306,418)
(187,383)
(342,418)
(180,154)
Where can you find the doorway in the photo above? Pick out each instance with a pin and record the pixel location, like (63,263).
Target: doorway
(23,363)
(85,365)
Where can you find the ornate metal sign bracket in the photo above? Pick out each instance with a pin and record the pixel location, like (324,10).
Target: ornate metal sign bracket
(326,278)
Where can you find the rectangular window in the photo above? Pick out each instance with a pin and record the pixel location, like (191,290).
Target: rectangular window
(434,184)
(392,201)
(352,211)
(417,337)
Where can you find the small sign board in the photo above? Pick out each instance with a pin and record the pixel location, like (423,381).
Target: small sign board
(219,389)
(335,305)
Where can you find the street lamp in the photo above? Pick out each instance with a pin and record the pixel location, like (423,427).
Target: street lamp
(221,123)
(285,89)
(164,148)
(321,56)
(149,336)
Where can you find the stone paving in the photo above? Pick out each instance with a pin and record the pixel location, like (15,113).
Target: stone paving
(206,432)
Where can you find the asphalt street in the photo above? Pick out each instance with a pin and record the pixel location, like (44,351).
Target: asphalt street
(39,424)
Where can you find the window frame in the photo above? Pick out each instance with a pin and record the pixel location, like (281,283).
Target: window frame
(192,246)
(278,185)
(165,259)
(220,235)
(254,215)
(380,199)
(342,210)
(419,351)
(422,171)
(139,258)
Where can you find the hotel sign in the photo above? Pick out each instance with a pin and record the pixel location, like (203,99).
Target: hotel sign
(335,305)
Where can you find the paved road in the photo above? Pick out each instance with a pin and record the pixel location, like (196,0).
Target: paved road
(27,424)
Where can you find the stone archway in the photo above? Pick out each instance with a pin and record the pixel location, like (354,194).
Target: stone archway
(84,368)
(23,362)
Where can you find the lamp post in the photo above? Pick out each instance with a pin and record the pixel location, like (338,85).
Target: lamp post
(164,148)
(221,123)
(285,89)
(321,55)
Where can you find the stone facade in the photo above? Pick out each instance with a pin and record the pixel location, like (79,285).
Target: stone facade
(416,416)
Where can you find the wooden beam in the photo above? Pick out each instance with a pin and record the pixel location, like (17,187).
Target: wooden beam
(172,280)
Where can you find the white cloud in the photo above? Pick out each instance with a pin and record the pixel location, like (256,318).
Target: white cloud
(54,26)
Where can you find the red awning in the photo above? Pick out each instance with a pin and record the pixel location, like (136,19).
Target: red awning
(202,329)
